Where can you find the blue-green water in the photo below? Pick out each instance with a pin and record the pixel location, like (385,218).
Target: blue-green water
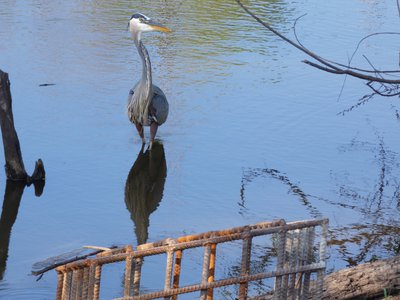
(248,121)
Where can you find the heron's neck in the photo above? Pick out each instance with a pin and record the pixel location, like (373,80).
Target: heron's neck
(144,55)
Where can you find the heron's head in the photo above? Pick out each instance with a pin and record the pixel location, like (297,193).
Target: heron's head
(140,23)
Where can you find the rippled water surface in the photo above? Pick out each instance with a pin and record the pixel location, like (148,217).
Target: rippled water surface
(253,134)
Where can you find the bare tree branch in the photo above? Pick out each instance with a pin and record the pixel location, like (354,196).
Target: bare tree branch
(327,65)
(358,46)
(375,71)
(387,92)
(398,7)
(305,50)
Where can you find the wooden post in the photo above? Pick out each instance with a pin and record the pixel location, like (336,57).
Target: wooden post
(15,169)
(14,165)
(17,177)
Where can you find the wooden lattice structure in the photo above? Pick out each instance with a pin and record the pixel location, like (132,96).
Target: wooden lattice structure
(300,254)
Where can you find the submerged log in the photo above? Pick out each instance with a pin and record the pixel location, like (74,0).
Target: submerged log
(14,165)
(366,281)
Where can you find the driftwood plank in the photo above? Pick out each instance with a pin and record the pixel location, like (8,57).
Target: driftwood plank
(366,281)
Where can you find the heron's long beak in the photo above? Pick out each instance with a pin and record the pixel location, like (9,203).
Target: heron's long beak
(158,26)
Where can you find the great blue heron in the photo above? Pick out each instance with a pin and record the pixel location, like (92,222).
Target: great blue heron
(147,104)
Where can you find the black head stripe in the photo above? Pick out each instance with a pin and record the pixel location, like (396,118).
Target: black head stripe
(138,16)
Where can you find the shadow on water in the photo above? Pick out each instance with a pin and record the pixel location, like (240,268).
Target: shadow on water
(144,188)
(373,201)
(12,199)
(250,174)
(378,204)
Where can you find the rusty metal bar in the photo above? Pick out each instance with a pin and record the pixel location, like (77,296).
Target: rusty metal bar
(74,284)
(73,277)
(60,280)
(205,270)
(128,276)
(79,284)
(177,271)
(97,278)
(164,249)
(137,275)
(225,282)
(292,262)
(278,294)
(300,262)
(219,237)
(245,270)
(66,292)
(168,271)
(211,270)
(209,234)
(299,276)
(309,256)
(285,278)
(85,283)
(169,267)
(322,258)
(129,270)
(92,272)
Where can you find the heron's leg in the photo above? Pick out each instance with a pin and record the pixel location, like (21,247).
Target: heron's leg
(139,128)
(153,131)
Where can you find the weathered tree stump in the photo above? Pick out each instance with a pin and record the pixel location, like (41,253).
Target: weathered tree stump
(14,165)
(366,281)
(17,178)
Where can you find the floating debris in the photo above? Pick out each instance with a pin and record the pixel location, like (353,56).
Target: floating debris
(50,263)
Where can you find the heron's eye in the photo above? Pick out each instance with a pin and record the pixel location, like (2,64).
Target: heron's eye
(141,20)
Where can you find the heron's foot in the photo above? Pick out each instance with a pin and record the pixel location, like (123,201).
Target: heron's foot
(151,145)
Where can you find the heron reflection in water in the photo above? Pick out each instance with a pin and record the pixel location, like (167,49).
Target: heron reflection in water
(144,188)
(147,104)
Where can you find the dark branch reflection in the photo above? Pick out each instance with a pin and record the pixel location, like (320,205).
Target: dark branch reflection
(145,187)
(250,174)
(377,235)
(373,200)
(12,199)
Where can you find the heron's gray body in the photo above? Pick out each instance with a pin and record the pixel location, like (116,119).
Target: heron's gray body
(154,109)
